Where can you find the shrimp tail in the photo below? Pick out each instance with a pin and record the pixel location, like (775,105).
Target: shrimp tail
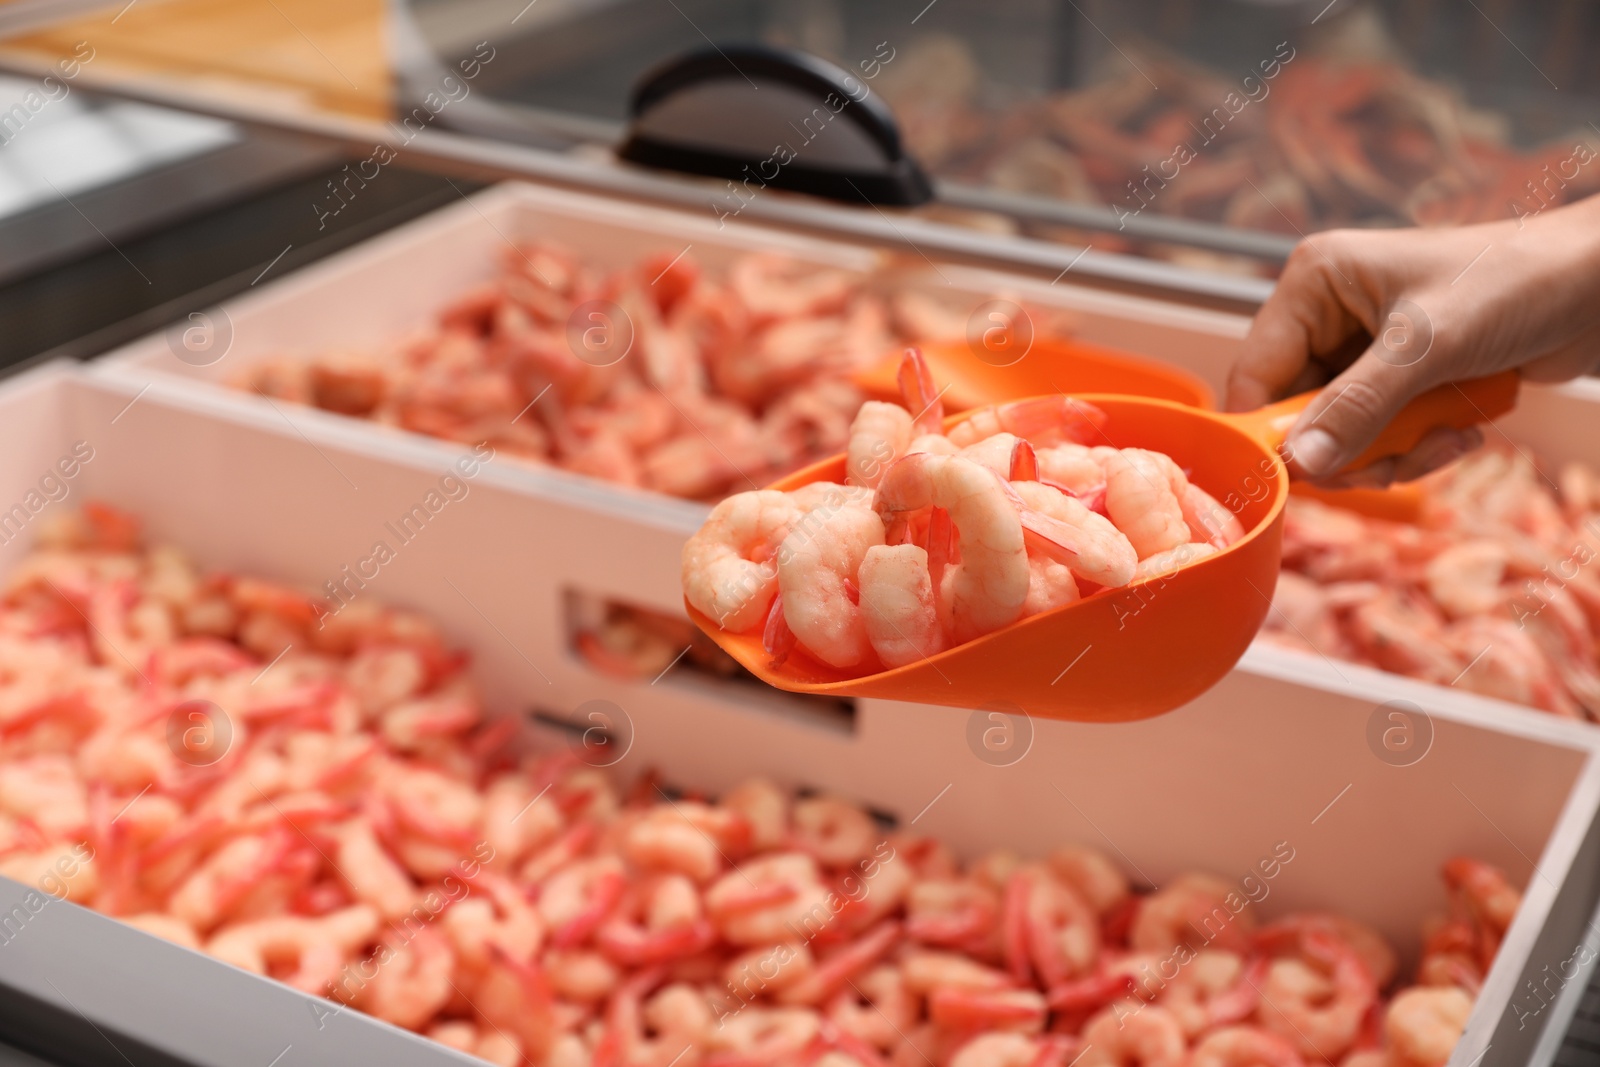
(921,399)
(1047,536)
(941,546)
(1083,423)
(1024,462)
(777,638)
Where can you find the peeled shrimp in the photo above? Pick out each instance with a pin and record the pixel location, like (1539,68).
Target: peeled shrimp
(1144,497)
(898,606)
(1099,551)
(728,573)
(817,566)
(988,587)
(880,434)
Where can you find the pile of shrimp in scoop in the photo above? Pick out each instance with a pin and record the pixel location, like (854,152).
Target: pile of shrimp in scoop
(939,537)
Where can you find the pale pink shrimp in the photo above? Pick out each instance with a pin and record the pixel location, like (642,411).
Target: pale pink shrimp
(989,586)
(817,566)
(1163,563)
(898,604)
(1244,1046)
(1045,421)
(1207,519)
(1071,466)
(314,951)
(995,453)
(880,434)
(935,443)
(1193,909)
(1149,1038)
(1318,1001)
(1424,1024)
(1144,497)
(1095,550)
(1047,928)
(728,572)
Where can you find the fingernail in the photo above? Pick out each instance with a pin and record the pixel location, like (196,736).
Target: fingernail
(1314,451)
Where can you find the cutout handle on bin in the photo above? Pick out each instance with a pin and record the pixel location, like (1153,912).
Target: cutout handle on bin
(778,117)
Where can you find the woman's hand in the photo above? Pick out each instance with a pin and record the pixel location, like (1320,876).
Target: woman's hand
(1381,316)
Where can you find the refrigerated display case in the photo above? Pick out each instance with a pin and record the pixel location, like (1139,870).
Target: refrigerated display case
(1033,119)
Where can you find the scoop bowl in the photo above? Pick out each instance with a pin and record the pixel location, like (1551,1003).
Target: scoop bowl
(1152,646)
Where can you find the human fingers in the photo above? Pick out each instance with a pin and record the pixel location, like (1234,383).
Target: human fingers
(1347,416)
(1314,309)
(1440,446)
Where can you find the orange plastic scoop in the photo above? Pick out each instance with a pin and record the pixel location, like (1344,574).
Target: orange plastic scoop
(1150,647)
(1051,365)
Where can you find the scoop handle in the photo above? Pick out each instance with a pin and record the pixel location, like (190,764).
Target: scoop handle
(1454,404)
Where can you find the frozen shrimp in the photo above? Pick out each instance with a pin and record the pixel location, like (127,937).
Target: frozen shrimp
(728,569)
(1423,1025)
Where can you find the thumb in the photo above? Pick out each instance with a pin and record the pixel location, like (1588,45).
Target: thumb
(1353,409)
